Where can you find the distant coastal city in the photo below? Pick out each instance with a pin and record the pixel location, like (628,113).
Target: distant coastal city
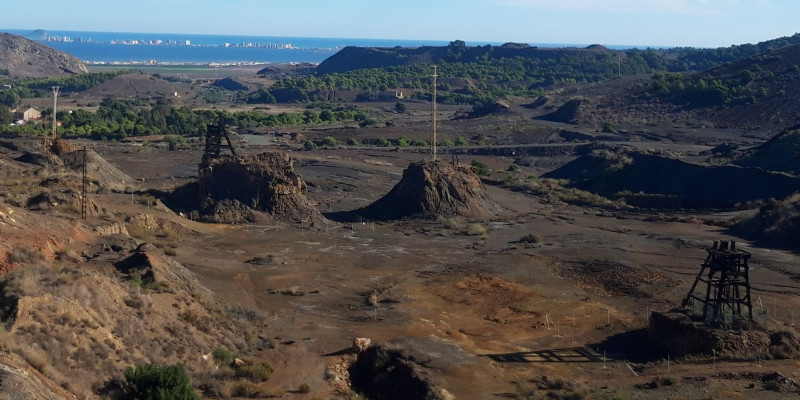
(133,48)
(167,42)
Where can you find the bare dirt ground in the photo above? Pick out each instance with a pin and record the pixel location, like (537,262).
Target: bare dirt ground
(491,315)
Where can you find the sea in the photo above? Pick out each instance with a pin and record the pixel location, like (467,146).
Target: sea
(169,48)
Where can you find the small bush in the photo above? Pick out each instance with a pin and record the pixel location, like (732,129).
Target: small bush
(476,229)
(460,141)
(530,238)
(255,371)
(309,145)
(513,168)
(188,316)
(223,356)
(481,168)
(353,142)
(24,255)
(152,382)
(304,388)
(403,141)
(669,381)
(383,142)
(420,143)
(329,141)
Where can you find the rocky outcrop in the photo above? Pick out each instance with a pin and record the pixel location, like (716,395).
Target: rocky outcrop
(263,182)
(25,58)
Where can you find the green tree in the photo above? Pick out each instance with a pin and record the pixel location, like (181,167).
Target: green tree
(6,117)
(152,382)
(400,107)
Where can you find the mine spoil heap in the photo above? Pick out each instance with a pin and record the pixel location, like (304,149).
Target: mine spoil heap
(263,182)
(431,189)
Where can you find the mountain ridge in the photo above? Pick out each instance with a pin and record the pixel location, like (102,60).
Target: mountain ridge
(25,58)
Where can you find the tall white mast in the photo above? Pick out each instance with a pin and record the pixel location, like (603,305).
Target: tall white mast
(433,112)
(55,103)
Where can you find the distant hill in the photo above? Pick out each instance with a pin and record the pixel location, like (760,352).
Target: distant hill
(760,92)
(352,58)
(24,58)
(679,59)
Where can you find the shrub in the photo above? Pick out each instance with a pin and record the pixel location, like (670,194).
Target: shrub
(400,107)
(476,229)
(447,143)
(420,143)
(513,168)
(669,381)
(460,141)
(304,388)
(530,238)
(223,356)
(309,145)
(173,141)
(24,255)
(481,168)
(403,141)
(353,142)
(383,142)
(152,382)
(329,141)
(256,371)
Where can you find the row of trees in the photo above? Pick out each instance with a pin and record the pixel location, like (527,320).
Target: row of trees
(116,119)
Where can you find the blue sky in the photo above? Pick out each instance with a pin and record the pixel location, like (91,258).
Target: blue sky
(701,23)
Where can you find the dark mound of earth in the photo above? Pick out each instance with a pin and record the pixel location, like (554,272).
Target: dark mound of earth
(229,84)
(567,113)
(264,182)
(430,190)
(777,154)
(657,181)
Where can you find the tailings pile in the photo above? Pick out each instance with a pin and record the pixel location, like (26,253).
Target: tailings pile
(238,189)
(678,334)
(430,190)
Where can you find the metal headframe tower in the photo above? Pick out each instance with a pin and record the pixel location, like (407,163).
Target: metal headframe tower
(725,272)
(214,137)
(55,104)
(433,114)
